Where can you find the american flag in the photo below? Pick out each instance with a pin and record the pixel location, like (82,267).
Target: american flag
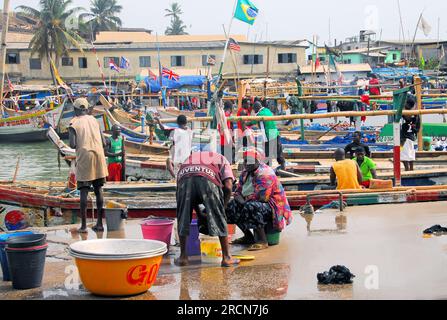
(234,45)
(171,75)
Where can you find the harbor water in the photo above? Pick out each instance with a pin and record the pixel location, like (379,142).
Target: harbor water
(38,162)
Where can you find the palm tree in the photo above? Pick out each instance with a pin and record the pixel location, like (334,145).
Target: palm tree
(177,26)
(103,16)
(52,37)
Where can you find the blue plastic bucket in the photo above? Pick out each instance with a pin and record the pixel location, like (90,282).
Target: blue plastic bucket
(3,259)
(193,243)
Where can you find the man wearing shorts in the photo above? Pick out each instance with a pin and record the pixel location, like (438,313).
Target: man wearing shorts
(91,167)
(205,178)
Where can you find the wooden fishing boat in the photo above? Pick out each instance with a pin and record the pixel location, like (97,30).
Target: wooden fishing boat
(30,127)
(24,206)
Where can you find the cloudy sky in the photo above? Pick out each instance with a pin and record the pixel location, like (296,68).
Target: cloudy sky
(288,19)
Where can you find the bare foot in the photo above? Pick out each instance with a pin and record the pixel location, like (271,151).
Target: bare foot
(98,228)
(83,230)
(181,262)
(228,263)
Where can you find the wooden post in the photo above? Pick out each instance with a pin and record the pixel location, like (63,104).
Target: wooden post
(418,88)
(3,44)
(240,94)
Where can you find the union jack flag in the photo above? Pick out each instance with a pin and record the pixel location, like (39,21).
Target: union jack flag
(171,75)
(152,75)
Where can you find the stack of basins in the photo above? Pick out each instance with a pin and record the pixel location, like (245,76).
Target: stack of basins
(26,260)
(120,267)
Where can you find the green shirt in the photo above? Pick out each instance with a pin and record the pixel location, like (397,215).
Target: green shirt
(116,146)
(366,168)
(271,131)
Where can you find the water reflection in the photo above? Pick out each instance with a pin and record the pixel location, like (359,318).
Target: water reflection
(341,224)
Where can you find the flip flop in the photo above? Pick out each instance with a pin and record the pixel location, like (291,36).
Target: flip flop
(258,247)
(244,258)
(234,263)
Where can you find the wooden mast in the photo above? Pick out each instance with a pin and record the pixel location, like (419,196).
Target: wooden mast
(5,27)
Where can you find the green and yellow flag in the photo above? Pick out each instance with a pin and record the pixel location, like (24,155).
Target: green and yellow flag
(246,11)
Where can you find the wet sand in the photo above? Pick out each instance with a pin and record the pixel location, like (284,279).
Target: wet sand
(386,239)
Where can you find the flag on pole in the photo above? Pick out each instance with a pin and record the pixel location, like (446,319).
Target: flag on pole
(246,11)
(234,45)
(58,77)
(422,62)
(113,66)
(152,75)
(171,75)
(211,61)
(125,64)
(424,26)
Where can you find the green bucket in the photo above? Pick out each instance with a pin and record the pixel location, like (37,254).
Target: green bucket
(273,238)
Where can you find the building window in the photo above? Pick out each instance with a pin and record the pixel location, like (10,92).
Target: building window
(349,48)
(67,62)
(177,61)
(205,59)
(323,59)
(35,64)
(145,62)
(287,58)
(253,59)
(348,61)
(83,63)
(13,58)
(116,60)
(394,56)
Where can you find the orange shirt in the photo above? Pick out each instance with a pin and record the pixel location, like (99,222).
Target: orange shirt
(346,172)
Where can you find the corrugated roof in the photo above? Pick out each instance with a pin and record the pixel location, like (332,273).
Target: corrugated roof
(138,37)
(362,67)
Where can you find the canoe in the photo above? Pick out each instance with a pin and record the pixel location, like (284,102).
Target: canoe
(21,207)
(30,127)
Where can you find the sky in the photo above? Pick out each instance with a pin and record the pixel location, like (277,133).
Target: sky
(288,19)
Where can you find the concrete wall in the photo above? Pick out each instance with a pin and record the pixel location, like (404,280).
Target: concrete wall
(193,60)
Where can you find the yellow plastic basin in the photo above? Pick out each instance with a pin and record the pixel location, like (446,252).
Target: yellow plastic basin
(118,267)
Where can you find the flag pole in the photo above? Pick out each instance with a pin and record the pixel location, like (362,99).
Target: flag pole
(160,72)
(6,5)
(415,33)
(236,75)
(227,41)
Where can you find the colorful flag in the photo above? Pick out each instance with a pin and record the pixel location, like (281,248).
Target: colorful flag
(10,85)
(317,63)
(246,12)
(234,45)
(125,64)
(171,75)
(211,61)
(422,62)
(113,66)
(58,77)
(152,75)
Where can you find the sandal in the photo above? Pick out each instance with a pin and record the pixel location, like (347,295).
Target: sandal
(258,247)
(243,242)
(232,263)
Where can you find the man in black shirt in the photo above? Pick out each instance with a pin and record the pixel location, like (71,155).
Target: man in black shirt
(356,144)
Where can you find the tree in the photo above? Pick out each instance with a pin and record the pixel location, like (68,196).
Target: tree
(177,26)
(52,38)
(103,16)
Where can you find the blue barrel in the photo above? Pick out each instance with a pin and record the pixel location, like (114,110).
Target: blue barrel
(3,259)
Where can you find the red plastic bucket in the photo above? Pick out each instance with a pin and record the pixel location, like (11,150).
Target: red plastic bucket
(158,229)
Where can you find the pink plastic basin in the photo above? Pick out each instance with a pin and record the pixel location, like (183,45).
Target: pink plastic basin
(158,229)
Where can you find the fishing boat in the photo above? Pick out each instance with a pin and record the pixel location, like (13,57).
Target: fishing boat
(30,127)
(36,205)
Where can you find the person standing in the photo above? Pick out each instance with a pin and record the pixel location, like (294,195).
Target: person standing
(272,138)
(115,152)
(205,178)
(226,147)
(91,169)
(181,139)
(409,134)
